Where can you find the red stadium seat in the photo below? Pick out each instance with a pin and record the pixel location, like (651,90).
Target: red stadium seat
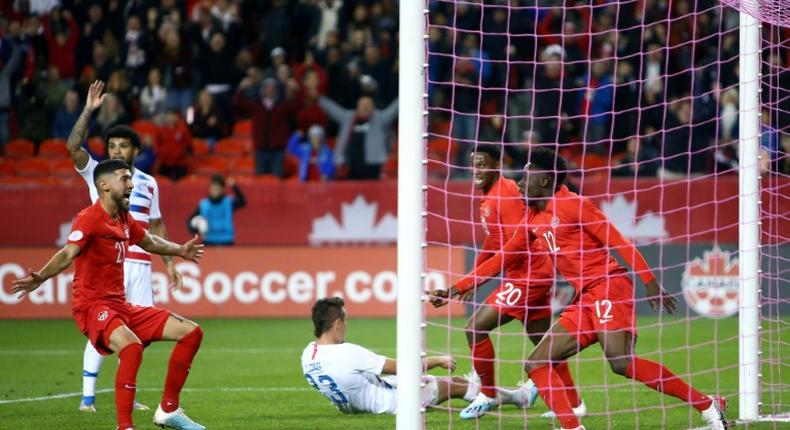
(32,167)
(53,148)
(243,166)
(211,166)
(63,168)
(194,179)
(7,167)
(142,126)
(290,166)
(231,147)
(96,146)
(242,128)
(20,148)
(200,148)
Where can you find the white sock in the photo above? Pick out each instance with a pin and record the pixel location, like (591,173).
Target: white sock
(91,364)
(510,397)
(472,389)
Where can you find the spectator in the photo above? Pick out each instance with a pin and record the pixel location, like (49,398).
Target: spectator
(364,140)
(111,113)
(173,141)
(6,74)
(67,115)
(214,68)
(175,61)
(135,54)
(102,64)
(641,159)
(213,218)
(316,161)
(153,97)
(145,159)
(62,42)
(271,124)
(208,122)
(329,19)
(54,89)
(597,105)
(275,27)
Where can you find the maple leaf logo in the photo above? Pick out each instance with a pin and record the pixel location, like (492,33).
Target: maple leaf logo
(640,229)
(357,224)
(710,283)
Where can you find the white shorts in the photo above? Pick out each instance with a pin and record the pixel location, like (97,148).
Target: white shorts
(137,280)
(429,394)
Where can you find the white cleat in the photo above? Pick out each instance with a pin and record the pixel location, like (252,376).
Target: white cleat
(88,404)
(479,407)
(177,420)
(530,393)
(140,407)
(579,411)
(714,415)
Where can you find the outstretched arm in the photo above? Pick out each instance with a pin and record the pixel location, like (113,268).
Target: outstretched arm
(157,228)
(78,134)
(58,263)
(335,111)
(428,363)
(191,250)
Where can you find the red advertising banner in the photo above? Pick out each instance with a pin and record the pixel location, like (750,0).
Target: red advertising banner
(247,282)
(702,210)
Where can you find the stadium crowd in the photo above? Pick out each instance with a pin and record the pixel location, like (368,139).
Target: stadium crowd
(307,89)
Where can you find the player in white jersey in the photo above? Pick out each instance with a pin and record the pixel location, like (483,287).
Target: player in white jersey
(353,378)
(123,143)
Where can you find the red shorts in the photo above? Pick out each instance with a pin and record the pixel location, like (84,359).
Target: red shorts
(606,306)
(521,301)
(97,322)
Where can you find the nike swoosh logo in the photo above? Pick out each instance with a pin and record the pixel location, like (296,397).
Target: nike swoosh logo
(535,230)
(129,387)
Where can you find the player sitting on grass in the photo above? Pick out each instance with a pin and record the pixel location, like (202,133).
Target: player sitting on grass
(99,240)
(581,240)
(350,375)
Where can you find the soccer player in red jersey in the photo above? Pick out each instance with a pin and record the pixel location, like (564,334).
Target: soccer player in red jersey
(580,239)
(525,291)
(98,243)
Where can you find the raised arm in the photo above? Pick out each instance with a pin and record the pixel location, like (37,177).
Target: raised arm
(78,134)
(390,113)
(335,111)
(191,250)
(58,263)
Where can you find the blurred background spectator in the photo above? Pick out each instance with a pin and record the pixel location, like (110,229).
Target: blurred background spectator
(316,161)
(213,217)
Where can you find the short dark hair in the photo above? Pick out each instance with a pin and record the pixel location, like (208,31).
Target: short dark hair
(108,166)
(326,312)
(218,179)
(123,132)
(550,161)
(492,151)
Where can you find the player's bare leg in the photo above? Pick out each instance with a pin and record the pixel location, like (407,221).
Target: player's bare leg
(556,346)
(485,319)
(536,329)
(188,336)
(618,347)
(129,349)
(457,387)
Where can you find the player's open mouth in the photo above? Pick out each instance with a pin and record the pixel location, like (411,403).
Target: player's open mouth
(479,180)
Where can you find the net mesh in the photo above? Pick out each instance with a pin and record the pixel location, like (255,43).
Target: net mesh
(768,11)
(641,98)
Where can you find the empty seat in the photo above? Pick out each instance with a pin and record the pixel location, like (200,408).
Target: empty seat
(19,148)
(32,167)
(242,128)
(53,148)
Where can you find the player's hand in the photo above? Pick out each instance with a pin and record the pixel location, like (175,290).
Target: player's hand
(660,298)
(95,96)
(27,284)
(440,298)
(192,250)
(176,282)
(446,362)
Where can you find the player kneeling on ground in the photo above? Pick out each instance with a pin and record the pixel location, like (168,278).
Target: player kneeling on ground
(350,375)
(99,240)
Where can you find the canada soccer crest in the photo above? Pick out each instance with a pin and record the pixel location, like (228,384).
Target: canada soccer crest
(710,284)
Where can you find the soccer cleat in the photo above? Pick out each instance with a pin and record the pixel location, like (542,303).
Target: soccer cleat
(714,415)
(140,407)
(88,404)
(579,411)
(177,420)
(577,428)
(530,392)
(479,407)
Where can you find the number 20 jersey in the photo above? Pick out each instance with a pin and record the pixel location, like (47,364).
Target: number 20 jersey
(348,375)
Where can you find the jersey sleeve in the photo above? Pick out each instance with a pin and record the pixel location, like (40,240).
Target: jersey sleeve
(598,225)
(136,233)
(154,212)
(504,258)
(87,176)
(81,230)
(365,360)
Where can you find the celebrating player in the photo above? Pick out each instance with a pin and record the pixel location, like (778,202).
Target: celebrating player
(122,143)
(349,375)
(525,292)
(98,244)
(580,239)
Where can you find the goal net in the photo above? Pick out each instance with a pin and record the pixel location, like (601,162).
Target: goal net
(642,98)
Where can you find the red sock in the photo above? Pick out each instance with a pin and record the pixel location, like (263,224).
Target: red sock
(178,369)
(483,362)
(661,379)
(126,383)
(569,386)
(551,389)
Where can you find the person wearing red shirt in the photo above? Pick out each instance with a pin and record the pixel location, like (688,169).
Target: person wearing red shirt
(171,146)
(525,291)
(580,240)
(98,243)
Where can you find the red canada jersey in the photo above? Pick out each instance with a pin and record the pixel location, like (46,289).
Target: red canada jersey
(502,214)
(576,234)
(104,243)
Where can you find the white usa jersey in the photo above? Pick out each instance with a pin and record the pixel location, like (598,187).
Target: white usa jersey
(143,203)
(348,375)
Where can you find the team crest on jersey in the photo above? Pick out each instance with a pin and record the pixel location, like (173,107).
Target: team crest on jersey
(710,284)
(486,211)
(126,230)
(555,221)
(102,316)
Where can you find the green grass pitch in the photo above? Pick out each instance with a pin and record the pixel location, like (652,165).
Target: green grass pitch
(247,375)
